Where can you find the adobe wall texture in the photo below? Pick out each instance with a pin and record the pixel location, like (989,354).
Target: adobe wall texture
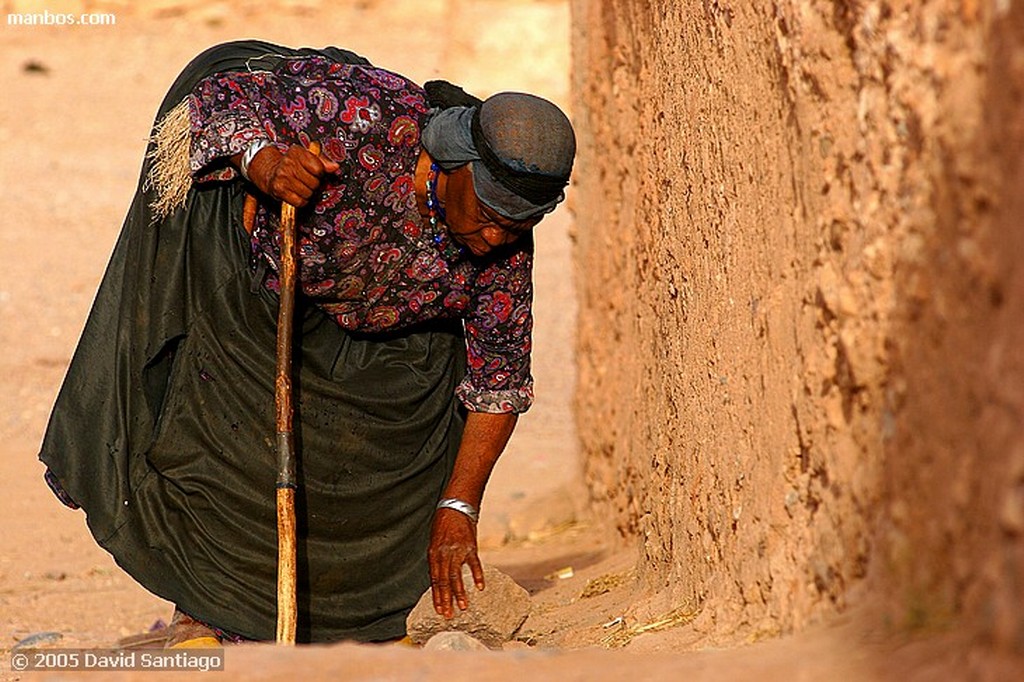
(801,305)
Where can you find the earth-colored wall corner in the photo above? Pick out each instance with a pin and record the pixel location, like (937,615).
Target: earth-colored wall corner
(801,305)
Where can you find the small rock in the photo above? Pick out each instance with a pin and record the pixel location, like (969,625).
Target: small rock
(35,67)
(38,640)
(493,616)
(452,640)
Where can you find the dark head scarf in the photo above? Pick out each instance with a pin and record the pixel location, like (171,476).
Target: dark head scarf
(521,147)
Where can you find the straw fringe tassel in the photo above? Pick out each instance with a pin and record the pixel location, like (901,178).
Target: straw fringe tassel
(170,176)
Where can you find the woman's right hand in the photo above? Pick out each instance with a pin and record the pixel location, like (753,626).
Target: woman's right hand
(294,176)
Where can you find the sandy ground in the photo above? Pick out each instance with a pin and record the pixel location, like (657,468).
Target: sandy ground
(78,105)
(74,126)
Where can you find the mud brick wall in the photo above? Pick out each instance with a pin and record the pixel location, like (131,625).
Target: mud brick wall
(801,338)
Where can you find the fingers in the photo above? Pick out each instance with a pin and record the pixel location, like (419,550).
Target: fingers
(441,592)
(477,569)
(452,544)
(293,177)
(458,587)
(329,165)
(297,176)
(443,584)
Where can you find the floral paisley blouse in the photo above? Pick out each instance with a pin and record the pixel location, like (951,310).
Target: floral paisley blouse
(366,255)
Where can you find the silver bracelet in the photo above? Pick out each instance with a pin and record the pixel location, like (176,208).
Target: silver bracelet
(459,506)
(250,154)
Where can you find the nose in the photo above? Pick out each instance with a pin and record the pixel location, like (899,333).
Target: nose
(494,236)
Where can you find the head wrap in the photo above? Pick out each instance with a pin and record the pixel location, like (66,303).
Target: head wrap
(521,146)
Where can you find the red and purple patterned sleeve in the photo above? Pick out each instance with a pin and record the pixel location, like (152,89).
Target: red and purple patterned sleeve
(227,112)
(499,338)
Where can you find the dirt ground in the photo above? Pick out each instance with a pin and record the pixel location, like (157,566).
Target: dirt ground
(78,105)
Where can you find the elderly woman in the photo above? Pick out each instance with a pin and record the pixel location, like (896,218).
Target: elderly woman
(415,257)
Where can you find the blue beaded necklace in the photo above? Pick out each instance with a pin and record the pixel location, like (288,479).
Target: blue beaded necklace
(434,206)
(437,215)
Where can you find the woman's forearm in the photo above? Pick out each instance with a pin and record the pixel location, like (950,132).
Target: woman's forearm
(453,533)
(483,441)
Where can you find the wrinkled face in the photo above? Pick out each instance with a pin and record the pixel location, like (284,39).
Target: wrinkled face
(472,223)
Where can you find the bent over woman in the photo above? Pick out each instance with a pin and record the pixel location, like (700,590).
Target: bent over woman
(413,350)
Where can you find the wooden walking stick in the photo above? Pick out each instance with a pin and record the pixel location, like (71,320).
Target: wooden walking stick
(287,609)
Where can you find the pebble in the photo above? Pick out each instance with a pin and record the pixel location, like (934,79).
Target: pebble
(453,640)
(38,638)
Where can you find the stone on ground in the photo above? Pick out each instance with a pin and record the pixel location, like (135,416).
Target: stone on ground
(453,640)
(493,616)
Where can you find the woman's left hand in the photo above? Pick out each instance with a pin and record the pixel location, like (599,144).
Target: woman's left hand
(452,544)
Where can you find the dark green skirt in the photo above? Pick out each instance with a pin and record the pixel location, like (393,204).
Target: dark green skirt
(164,428)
